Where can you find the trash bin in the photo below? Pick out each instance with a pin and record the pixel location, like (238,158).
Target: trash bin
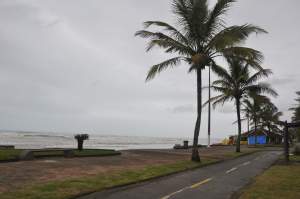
(185,144)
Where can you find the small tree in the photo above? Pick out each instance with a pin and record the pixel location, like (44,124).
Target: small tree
(80,139)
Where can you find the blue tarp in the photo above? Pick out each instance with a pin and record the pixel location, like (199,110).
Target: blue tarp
(261,139)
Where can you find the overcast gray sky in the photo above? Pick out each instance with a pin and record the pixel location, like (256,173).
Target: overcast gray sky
(74,65)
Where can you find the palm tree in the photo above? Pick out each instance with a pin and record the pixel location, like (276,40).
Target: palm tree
(296,109)
(262,112)
(252,106)
(296,114)
(270,117)
(236,83)
(202,36)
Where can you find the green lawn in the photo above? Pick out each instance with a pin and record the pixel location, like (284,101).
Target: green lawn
(9,154)
(279,182)
(13,154)
(72,187)
(95,152)
(77,153)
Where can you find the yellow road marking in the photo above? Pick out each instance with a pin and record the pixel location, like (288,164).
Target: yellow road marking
(200,183)
(190,187)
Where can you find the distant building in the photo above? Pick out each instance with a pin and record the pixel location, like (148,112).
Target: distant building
(260,137)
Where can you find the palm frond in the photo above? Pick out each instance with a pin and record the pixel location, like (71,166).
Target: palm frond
(192,16)
(260,74)
(261,88)
(252,57)
(222,82)
(164,41)
(154,70)
(221,72)
(167,27)
(215,21)
(221,101)
(233,35)
(212,99)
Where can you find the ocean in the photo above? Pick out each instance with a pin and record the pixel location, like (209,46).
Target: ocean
(38,140)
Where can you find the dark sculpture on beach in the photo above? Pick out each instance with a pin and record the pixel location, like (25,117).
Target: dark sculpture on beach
(80,139)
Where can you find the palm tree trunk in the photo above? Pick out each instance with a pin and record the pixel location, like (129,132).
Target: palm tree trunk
(209,109)
(195,153)
(79,144)
(255,130)
(238,111)
(248,124)
(269,128)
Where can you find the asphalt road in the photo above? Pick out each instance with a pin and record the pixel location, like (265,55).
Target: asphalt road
(219,181)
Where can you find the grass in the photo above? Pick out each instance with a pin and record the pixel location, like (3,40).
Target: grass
(9,154)
(13,154)
(77,153)
(95,152)
(73,187)
(280,182)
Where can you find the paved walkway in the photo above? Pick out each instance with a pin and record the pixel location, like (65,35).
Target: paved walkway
(217,181)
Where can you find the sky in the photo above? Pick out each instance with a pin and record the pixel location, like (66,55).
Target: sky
(75,66)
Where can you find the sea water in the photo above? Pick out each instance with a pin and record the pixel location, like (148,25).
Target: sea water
(37,140)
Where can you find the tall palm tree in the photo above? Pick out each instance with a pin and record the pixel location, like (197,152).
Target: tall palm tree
(236,83)
(201,36)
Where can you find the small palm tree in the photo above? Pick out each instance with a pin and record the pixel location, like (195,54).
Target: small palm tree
(80,139)
(236,83)
(201,37)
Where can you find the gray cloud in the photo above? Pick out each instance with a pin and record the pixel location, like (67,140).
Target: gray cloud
(73,66)
(227,109)
(283,80)
(189,108)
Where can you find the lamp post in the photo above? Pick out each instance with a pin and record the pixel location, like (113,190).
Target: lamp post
(209,108)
